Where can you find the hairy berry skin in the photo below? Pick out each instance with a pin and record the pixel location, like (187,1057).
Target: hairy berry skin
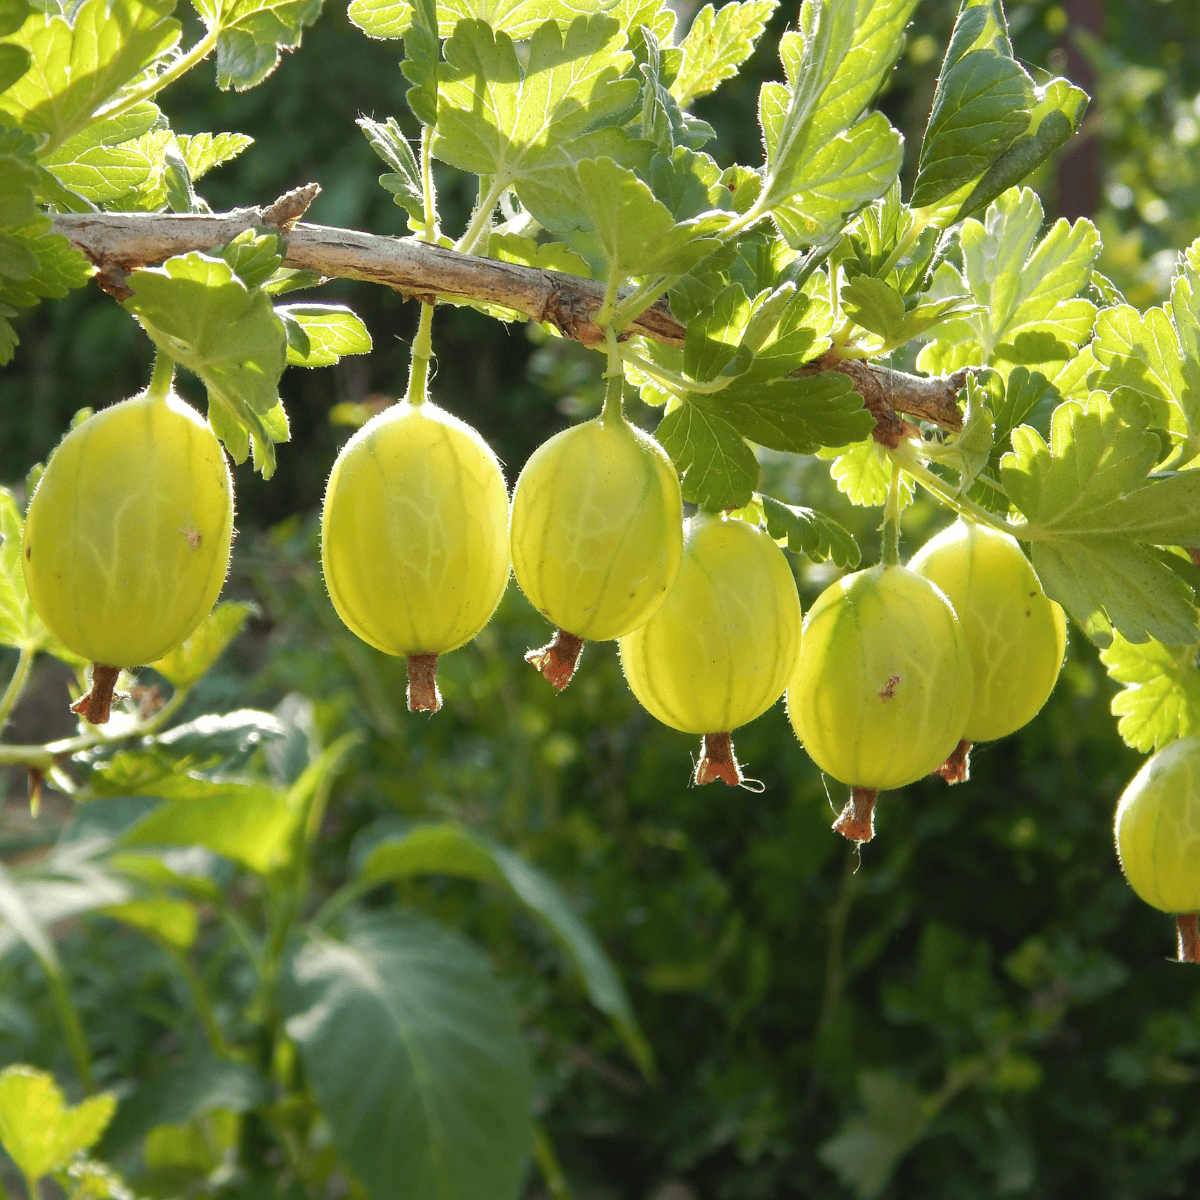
(597,528)
(884,684)
(1016,634)
(414,531)
(128,533)
(722,648)
(1157,828)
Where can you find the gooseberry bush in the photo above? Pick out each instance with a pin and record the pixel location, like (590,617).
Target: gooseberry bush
(946,340)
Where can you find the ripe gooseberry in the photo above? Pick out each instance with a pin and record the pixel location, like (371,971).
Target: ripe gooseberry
(1015,633)
(127,537)
(1157,829)
(883,687)
(721,649)
(414,538)
(597,535)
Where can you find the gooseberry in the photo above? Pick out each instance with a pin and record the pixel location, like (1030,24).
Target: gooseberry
(883,687)
(414,538)
(721,649)
(1157,829)
(1016,634)
(597,535)
(127,537)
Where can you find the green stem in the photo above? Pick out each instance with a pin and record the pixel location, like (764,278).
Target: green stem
(921,218)
(181,66)
(162,377)
(480,220)
(615,374)
(45,756)
(552,1173)
(201,1001)
(907,459)
(241,935)
(72,1029)
(891,521)
(671,379)
(422,352)
(430,196)
(638,301)
(16,685)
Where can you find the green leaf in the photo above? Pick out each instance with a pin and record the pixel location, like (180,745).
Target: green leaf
(810,532)
(550,256)
(164,918)
(39,1130)
(1024,286)
(404,180)
(81,63)
(717,468)
(1143,351)
(863,473)
(248,823)
(188,663)
(25,923)
(663,122)
(794,415)
(20,625)
(204,151)
(381,18)
(1090,511)
(12,15)
(180,1094)
(823,163)
(331,330)
(111,159)
(422,61)
(414,1055)
(253,34)
(197,311)
(989,126)
(509,124)
(450,849)
(1161,697)
(18,175)
(716,46)
(220,736)
(637,234)
(52,265)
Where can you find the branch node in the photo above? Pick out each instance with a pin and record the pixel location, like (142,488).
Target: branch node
(290,207)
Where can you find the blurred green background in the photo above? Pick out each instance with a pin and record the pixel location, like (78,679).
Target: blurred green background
(979,1007)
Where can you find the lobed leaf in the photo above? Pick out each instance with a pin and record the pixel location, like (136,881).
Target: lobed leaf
(253,35)
(1160,701)
(330,330)
(716,46)
(717,468)
(810,532)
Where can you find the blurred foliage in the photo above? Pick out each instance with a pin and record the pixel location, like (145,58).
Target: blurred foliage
(978,1007)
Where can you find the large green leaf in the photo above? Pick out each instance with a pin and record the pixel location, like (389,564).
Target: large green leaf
(1160,700)
(718,469)
(81,63)
(110,159)
(810,532)
(328,330)
(200,313)
(191,659)
(413,1053)
(451,849)
(253,34)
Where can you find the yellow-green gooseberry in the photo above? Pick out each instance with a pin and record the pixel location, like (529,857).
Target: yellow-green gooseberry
(127,538)
(883,687)
(414,538)
(596,536)
(721,649)
(1016,635)
(1157,830)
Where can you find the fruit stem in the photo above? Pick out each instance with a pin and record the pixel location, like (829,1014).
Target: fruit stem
(891,521)
(856,822)
(423,694)
(558,658)
(422,352)
(1188,927)
(957,768)
(162,376)
(615,375)
(96,706)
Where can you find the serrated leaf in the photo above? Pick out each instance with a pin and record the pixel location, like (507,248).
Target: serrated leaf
(810,532)
(452,849)
(823,163)
(331,331)
(197,310)
(204,151)
(1025,287)
(863,473)
(717,44)
(549,256)
(663,122)
(794,415)
(39,1130)
(404,179)
(422,61)
(876,306)
(1161,697)
(381,18)
(414,1056)
(971,449)
(48,266)
(718,469)
(111,159)
(1091,510)
(189,662)
(81,63)
(253,35)
(18,175)
(1144,351)
(254,257)
(495,119)
(989,126)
